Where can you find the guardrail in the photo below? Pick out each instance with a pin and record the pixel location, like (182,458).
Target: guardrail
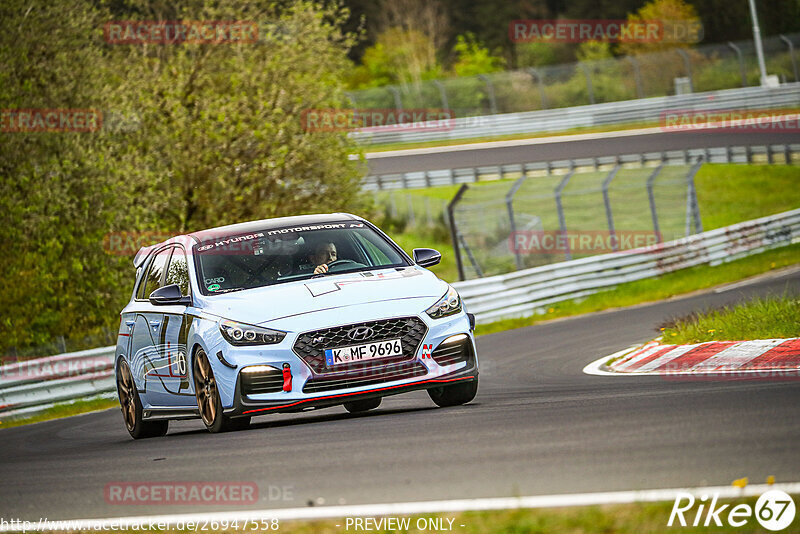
(31,386)
(783,153)
(556,120)
(523,293)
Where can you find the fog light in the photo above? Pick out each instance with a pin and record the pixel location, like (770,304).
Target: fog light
(455,339)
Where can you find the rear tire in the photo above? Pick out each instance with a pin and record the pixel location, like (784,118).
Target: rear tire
(456,395)
(132,407)
(208,401)
(362,405)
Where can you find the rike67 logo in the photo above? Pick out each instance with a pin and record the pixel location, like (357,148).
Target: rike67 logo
(774,510)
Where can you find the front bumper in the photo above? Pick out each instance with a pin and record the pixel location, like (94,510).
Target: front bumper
(245,407)
(313,389)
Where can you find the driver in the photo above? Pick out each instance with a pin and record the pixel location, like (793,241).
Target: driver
(324,253)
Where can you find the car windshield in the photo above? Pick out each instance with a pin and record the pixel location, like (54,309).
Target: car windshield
(271,256)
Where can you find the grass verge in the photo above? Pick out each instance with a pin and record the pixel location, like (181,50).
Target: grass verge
(638,518)
(63,410)
(760,318)
(659,288)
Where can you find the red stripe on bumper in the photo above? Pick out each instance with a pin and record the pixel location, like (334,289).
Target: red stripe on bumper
(358,393)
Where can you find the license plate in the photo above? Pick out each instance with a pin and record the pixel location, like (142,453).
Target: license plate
(366,351)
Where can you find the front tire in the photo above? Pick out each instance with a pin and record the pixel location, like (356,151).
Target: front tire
(362,405)
(132,407)
(208,401)
(456,395)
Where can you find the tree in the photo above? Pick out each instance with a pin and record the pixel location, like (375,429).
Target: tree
(218,138)
(473,58)
(673,15)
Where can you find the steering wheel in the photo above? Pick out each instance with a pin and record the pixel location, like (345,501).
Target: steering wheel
(339,263)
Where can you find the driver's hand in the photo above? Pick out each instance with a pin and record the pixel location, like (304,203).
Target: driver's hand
(321,269)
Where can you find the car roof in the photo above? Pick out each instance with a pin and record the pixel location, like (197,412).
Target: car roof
(269,224)
(244,228)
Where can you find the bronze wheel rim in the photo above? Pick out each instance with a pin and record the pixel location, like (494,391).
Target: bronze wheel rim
(205,388)
(127,399)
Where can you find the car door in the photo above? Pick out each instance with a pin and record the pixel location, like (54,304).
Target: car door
(146,352)
(175,386)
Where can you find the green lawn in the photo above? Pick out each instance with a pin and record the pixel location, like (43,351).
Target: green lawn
(727,194)
(761,318)
(64,410)
(659,288)
(639,518)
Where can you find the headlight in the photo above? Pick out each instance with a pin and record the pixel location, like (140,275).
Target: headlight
(241,334)
(449,304)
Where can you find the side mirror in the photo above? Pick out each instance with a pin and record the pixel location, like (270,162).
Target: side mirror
(426,257)
(169,295)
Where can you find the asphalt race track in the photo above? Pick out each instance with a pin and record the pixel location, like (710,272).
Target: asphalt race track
(538,426)
(560,149)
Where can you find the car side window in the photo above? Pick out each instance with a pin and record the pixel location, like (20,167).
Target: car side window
(178,271)
(155,273)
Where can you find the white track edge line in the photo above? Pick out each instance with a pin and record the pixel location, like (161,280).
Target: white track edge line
(488,145)
(545,140)
(596,367)
(425,507)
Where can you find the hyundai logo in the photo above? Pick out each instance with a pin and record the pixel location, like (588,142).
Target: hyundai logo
(360,333)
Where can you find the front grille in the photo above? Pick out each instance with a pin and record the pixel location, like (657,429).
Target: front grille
(264,382)
(310,346)
(452,352)
(367,377)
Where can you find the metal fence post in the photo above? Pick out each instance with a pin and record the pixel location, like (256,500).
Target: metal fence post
(637,75)
(398,103)
(607,202)
(454,229)
(442,93)
(652,197)
(688,64)
(692,208)
(536,74)
(490,90)
(470,256)
(512,223)
(411,214)
(562,222)
(742,69)
(588,76)
(791,54)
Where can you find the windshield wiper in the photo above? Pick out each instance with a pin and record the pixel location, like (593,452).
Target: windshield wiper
(228,290)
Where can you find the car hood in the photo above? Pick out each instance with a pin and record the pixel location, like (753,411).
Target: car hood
(265,304)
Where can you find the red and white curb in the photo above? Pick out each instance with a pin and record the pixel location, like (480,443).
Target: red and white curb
(709,358)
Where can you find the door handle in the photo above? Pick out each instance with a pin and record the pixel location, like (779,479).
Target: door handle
(130,323)
(155,324)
